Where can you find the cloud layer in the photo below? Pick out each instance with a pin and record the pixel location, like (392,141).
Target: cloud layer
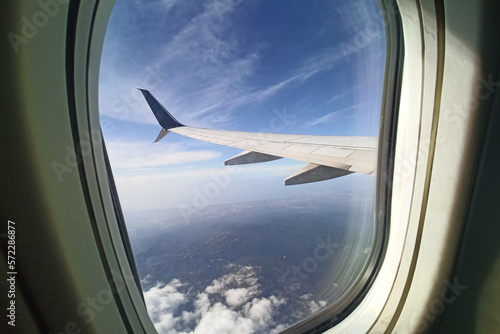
(130,155)
(231,304)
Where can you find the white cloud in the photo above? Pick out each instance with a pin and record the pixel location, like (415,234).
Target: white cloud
(219,320)
(306,296)
(130,155)
(202,303)
(166,324)
(147,279)
(260,310)
(208,314)
(237,297)
(162,301)
(243,276)
(316,306)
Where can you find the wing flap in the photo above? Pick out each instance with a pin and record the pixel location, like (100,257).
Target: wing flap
(362,160)
(249,157)
(315,173)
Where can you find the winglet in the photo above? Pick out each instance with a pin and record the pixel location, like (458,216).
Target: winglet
(166,120)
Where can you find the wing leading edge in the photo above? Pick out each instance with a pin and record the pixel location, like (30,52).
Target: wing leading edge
(328,156)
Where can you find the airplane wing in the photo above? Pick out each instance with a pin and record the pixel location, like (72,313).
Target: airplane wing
(328,156)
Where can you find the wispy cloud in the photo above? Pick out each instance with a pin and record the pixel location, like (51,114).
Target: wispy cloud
(204,69)
(308,68)
(330,116)
(132,155)
(337,114)
(168,4)
(339,96)
(199,68)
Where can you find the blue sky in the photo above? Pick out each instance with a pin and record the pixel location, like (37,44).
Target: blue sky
(301,67)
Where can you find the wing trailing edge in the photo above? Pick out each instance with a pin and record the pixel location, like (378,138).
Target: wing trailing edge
(328,157)
(315,173)
(250,157)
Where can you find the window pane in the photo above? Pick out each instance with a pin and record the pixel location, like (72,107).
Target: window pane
(231,248)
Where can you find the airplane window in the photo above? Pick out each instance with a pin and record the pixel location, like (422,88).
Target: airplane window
(284,231)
